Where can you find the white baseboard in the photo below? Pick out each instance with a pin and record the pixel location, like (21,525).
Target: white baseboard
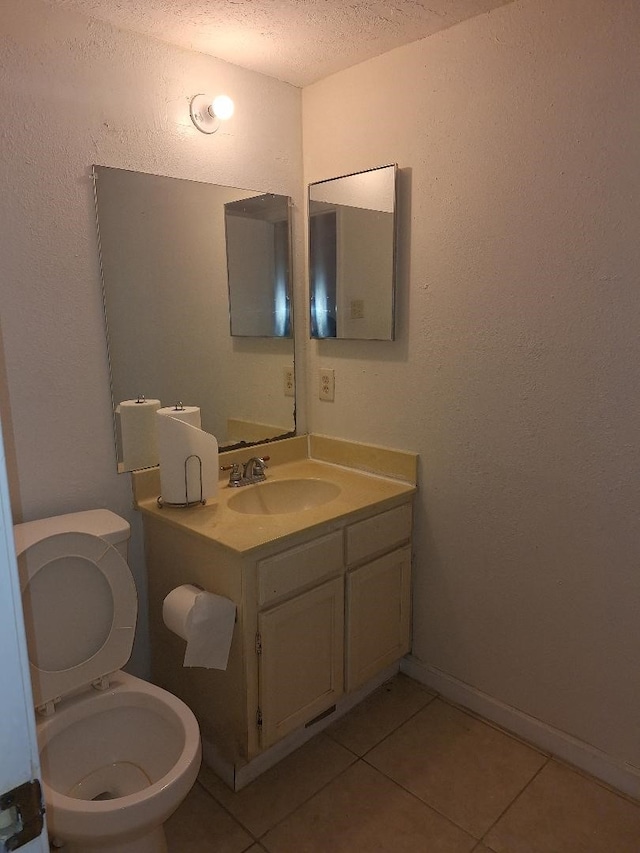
(612,771)
(238,775)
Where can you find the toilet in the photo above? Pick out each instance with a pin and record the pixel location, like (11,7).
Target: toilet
(118,754)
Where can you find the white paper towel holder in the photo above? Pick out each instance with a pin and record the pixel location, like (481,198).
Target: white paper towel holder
(187,503)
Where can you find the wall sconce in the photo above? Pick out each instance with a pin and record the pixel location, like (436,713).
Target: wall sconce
(207,113)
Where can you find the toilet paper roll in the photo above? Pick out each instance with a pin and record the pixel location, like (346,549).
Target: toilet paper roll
(138,433)
(205,621)
(188,414)
(180,443)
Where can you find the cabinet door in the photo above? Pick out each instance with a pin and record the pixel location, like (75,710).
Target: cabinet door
(378,615)
(301,664)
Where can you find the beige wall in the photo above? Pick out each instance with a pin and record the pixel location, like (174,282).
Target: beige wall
(73,93)
(515,370)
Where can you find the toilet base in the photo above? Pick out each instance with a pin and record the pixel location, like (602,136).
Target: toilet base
(152,842)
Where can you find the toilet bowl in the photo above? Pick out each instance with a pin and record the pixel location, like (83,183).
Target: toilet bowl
(118,754)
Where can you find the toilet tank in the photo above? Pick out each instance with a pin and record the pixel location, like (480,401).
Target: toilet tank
(98,522)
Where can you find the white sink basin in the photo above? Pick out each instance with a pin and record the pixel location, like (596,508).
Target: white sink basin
(282,496)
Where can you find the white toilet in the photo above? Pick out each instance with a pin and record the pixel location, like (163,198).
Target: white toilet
(118,754)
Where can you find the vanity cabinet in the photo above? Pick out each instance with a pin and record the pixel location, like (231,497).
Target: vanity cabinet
(320,614)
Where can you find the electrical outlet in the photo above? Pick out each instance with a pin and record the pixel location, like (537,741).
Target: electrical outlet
(289,382)
(327,388)
(357,309)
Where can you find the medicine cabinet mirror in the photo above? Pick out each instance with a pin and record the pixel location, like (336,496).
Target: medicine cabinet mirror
(352,255)
(259,264)
(166,295)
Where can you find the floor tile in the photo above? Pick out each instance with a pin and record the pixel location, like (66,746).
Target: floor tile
(380,714)
(362,811)
(564,811)
(280,790)
(200,825)
(464,768)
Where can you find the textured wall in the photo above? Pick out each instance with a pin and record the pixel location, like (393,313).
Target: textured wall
(75,93)
(515,372)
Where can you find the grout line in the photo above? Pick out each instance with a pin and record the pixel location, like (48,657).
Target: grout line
(304,802)
(601,783)
(257,838)
(547,758)
(225,809)
(550,756)
(516,798)
(430,697)
(399,726)
(422,802)
(495,726)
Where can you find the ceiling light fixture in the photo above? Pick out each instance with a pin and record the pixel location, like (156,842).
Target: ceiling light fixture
(207,113)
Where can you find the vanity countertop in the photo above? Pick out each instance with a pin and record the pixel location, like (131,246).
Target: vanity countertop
(243,533)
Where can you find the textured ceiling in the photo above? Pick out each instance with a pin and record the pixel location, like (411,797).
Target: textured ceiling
(299,41)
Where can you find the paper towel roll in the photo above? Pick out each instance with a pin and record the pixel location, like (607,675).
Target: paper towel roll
(138,433)
(205,621)
(180,442)
(188,414)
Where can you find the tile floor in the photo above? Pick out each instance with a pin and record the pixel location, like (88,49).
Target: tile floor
(406,772)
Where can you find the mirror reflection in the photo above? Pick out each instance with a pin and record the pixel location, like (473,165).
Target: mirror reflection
(164,270)
(259,280)
(352,227)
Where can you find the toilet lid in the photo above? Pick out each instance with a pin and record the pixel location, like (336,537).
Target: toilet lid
(80,606)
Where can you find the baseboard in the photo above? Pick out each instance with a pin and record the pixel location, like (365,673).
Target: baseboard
(612,771)
(237,776)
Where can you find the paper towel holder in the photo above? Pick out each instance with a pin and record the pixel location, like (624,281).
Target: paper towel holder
(187,503)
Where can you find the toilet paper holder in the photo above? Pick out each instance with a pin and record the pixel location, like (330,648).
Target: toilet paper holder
(187,503)
(202,589)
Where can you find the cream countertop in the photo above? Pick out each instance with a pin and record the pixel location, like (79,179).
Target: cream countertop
(242,533)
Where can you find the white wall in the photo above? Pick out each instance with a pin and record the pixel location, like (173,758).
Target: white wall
(515,372)
(75,92)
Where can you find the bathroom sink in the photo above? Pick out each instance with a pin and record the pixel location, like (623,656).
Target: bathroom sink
(282,496)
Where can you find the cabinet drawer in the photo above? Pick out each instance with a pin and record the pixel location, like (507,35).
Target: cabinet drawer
(377,534)
(305,565)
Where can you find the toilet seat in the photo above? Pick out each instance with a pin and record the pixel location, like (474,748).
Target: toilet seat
(80,608)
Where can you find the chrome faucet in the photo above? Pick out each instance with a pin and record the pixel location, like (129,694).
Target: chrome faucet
(252,471)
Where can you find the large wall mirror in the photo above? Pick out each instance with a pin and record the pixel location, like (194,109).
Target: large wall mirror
(352,255)
(166,293)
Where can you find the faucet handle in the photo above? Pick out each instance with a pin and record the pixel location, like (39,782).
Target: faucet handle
(235,477)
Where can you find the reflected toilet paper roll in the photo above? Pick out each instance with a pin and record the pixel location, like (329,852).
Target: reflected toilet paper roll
(188,414)
(138,433)
(205,621)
